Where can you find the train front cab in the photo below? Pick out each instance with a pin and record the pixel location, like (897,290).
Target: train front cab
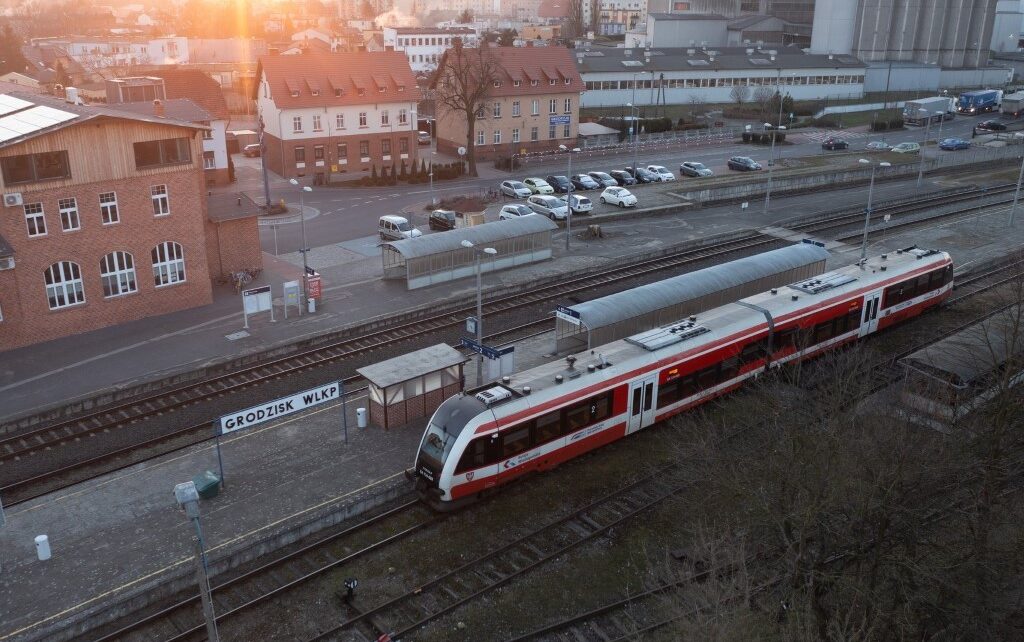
(441,441)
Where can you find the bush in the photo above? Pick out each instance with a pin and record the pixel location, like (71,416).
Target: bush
(896,123)
(880,126)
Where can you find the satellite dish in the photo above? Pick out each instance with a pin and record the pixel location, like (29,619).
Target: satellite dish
(462,151)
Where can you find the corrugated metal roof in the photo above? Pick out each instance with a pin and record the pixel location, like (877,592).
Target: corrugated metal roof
(655,296)
(412,365)
(479,235)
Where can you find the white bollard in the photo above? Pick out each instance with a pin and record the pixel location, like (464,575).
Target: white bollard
(312,305)
(361,417)
(744,205)
(43,547)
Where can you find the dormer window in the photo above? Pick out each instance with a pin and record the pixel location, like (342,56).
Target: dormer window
(497,84)
(337,93)
(567,81)
(361,92)
(401,88)
(533,83)
(316,92)
(295,93)
(515,83)
(381,89)
(551,82)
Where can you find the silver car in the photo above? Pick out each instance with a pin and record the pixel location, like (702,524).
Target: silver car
(603,179)
(548,205)
(515,189)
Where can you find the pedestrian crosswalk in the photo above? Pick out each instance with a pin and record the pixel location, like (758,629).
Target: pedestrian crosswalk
(819,135)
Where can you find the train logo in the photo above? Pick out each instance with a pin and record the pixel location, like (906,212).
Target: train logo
(470,475)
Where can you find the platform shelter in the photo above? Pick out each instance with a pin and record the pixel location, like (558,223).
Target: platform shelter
(440,257)
(593,323)
(413,385)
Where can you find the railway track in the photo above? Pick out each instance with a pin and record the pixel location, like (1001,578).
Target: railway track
(109,424)
(437,597)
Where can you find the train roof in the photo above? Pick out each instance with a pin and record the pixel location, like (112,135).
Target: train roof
(611,360)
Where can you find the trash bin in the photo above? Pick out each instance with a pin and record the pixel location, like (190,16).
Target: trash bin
(312,305)
(207,484)
(361,417)
(42,547)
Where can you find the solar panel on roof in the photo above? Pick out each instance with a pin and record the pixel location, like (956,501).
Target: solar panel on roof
(697,63)
(824,282)
(7,134)
(661,337)
(9,104)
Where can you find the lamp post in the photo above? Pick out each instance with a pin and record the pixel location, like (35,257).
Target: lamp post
(302,218)
(867,210)
(1020,176)
(771,163)
(632,127)
(942,117)
(466,243)
(920,168)
(188,498)
(568,195)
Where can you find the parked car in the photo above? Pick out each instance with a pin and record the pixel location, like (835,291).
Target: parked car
(539,186)
(423,138)
(603,179)
(693,168)
(252,151)
(514,211)
(663,173)
(584,182)
(953,144)
(877,146)
(579,204)
(549,206)
(743,164)
(396,228)
(990,126)
(515,189)
(442,220)
(618,196)
(832,143)
(906,148)
(622,177)
(642,175)
(560,183)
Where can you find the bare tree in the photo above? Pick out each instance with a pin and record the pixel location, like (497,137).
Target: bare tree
(739,93)
(463,81)
(763,99)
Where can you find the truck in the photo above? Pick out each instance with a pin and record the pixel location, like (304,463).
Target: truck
(918,112)
(980,101)
(1013,105)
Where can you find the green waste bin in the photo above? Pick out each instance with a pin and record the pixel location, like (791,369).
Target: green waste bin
(207,484)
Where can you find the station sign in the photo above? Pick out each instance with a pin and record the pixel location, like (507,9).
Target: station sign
(567,314)
(279,407)
(487,351)
(564,119)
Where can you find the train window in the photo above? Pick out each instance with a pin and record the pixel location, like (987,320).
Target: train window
(752,351)
(577,416)
(688,386)
(822,332)
(783,339)
(549,426)
(668,393)
(635,407)
(600,408)
(708,378)
(730,367)
(515,442)
(648,396)
(480,452)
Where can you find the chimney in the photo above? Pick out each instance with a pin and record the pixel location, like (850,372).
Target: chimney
(158,108)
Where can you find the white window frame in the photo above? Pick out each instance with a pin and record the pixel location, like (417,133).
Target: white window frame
(64,287)
(553,106)
(161,200)
(403,116)
(70,221)
(168,264)
(117,271)
(362,119)
(209,160)
(534,133)
(535,107)
(568,105)
(496,110)
(296,124)
(339,121)
(35,219)
(317,124)
(566,130)
(108,209)
(515,108)
(497,136)
(480,137)
(515,135)
(385,118)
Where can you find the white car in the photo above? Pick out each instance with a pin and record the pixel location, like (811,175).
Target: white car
(515,189)
(514,211)
(548,205)
(663,173)
(580,204)
(539,186)
(618,196)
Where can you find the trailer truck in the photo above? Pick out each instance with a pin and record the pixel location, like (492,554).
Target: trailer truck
(1013,105)
(918,112)
(979,102)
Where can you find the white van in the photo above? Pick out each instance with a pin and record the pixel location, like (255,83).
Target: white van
(396,228)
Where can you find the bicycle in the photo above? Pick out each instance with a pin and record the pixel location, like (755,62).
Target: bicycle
(241,279)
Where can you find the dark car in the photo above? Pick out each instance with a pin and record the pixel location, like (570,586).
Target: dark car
(642,175)
(834,143)
(560,183)
(622,177)
(584,182)
(991,126)
(743,164)
(442,220)
(603,179)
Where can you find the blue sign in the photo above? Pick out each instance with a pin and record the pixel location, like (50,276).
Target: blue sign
(561,120)
(567,314)
(487,351)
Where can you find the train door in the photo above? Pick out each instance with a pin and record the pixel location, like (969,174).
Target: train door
(869,315)
(641,404)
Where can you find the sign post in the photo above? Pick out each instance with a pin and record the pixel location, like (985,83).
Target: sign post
(503,357)
(257,300)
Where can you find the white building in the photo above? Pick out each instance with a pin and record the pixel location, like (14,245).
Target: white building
(101,53)
(424,46)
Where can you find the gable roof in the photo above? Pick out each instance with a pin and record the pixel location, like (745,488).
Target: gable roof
(360,77)
(176,108)
(527,65)
(196,86)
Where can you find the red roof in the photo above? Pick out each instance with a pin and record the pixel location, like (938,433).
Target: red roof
(197,87)
(553,9)
(536,64)
(345,78)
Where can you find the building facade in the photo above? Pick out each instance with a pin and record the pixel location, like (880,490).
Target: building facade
(424,46)
(95,54)
(327,113)
(533,106)
(104,218)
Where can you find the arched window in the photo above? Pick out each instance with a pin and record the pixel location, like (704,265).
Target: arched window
(64,285)
(118,272)
(168,264)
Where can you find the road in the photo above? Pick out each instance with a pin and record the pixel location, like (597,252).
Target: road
(334,215)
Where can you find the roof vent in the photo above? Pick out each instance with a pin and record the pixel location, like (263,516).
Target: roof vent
(885,256)
(506,380)
(882,268)
(591,368)
(750,52)
(559,378)
(692,318)
(774,291)
(493,395)
(795,297)
(571,360)
(628,52)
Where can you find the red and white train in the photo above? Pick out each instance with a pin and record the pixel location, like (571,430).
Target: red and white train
(481,439)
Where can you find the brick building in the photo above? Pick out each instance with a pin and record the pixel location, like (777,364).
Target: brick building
(104,218)
(533,105)
(337,112)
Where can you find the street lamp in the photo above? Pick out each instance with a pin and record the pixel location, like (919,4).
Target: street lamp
(1016,194)
(867,211)
(771,161)
(568,195)
(942,117)
(188,498)
(466,243)
(924,143)
(632,128)
(430,173)
(302,219)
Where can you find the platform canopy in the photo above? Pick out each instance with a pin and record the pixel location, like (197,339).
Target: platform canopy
(479,235)
(414,364)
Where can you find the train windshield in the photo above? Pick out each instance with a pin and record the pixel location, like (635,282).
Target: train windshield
(445,426)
